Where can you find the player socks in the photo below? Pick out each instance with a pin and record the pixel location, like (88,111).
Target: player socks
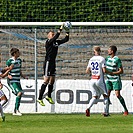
(106,105)
(50,89)
(43,87)
(17,104)
(92,101)
(122,101)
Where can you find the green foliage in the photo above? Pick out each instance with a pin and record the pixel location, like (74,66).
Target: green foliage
(66,123)
(61,10)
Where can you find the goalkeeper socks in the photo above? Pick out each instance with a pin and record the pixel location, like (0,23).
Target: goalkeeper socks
(17,104)
(122,101)
(50,89)
(43,87)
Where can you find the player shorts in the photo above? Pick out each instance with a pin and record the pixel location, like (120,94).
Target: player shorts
(97,88)
(114,85)
(49,68)
(1,93)
(15,87)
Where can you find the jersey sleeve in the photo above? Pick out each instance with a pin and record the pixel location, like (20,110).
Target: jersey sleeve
(66,39)
(50,41)
(119,63)
(8,63)
(103,63)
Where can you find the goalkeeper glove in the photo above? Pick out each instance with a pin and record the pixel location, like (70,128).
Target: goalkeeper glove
(67,30)
(67,33)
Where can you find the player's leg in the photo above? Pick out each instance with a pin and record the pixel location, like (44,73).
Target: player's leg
(117,87)
(109,87)
(52,73)
(17,90)
(43,88)
(40,98)
(1,107)
(106,105)
(93,99)
(3,100)
(50,89)
(103,90)
(46,68)
(2,113)
(122,101)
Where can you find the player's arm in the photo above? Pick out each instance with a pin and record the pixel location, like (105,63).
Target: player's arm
(120,71)
(3,75)
(56,35)
(106,71)
(104,67)
(66,39)
(88,70)
(120,68)
(6,71)
(23,76)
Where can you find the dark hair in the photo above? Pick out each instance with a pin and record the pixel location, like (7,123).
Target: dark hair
(14,50)
(113,48)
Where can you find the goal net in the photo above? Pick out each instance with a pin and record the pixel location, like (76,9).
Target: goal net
(72,83)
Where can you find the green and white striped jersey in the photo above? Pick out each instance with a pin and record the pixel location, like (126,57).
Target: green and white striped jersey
(113,64)
(16,71)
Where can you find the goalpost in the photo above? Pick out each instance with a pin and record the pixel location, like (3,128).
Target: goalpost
(72,84)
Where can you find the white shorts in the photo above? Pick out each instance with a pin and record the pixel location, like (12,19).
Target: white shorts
(98,87)
(1,93)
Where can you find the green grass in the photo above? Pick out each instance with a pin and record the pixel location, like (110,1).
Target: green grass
(67,123)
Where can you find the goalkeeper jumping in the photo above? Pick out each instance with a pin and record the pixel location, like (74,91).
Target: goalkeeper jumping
(49,66)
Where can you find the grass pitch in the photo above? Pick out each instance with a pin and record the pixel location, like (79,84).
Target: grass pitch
(67,123)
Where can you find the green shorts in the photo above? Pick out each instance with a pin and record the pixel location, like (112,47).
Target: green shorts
(15,87)
(114,85)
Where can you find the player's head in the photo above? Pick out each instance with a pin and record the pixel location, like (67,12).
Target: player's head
(96,50)
(112,50)
(15,51)
(50,34)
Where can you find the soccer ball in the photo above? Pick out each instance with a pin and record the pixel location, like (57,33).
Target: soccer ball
(67,25)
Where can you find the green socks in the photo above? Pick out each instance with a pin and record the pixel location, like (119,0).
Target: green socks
(122,101)
(17,104)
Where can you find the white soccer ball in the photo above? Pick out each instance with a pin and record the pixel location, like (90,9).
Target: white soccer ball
(67,25)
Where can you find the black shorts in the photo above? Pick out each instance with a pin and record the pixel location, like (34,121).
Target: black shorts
(49,68)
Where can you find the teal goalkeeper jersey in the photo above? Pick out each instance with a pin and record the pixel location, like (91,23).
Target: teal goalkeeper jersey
(16,71)
(113,64)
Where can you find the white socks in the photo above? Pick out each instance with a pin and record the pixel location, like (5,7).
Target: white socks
(92,101)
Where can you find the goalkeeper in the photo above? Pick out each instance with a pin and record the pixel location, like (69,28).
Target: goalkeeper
(51,45)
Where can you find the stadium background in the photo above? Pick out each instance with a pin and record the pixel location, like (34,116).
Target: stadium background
(74,55)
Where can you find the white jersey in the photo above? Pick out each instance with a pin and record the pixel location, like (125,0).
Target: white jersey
(96,64)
